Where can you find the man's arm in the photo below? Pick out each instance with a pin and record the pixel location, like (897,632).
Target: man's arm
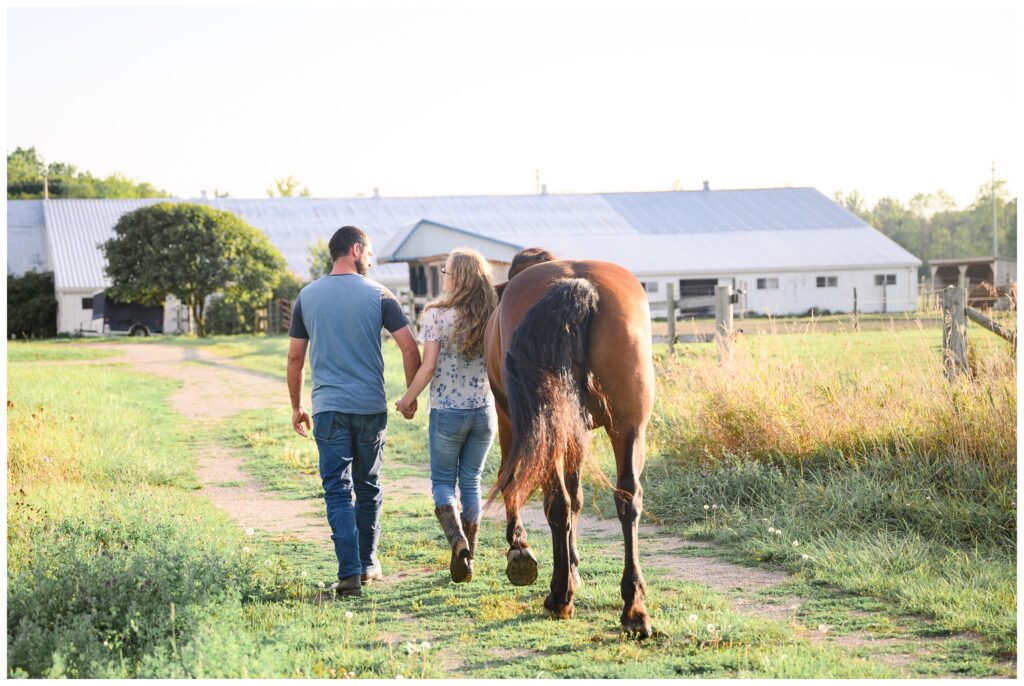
(410,355)
(296,361)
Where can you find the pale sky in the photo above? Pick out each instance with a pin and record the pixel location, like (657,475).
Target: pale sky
(886,101)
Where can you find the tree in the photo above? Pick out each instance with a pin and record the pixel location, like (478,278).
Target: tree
(226,315)
(191,252)
(285,188)
(31,305)
(320,262)
(931,226)
(25,171)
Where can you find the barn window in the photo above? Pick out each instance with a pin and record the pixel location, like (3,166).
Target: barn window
(650,286)
(86,303)
(885,279)
(828,281)
(763,284)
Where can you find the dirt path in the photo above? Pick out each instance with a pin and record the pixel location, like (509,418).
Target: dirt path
(213,389)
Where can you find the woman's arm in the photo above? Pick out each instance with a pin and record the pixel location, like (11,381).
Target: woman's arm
(431,351)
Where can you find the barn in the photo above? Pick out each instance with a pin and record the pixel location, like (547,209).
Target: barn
(789,249)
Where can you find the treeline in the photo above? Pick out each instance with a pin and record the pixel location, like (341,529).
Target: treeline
(25,180)
(931,226)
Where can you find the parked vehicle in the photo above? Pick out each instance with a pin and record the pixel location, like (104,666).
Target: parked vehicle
(130,319)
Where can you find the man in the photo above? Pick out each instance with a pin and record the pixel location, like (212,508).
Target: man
(340,317)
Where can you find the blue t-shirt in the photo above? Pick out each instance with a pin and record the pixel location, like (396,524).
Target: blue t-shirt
(342,316)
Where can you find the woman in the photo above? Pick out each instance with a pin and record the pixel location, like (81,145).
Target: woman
(462,417)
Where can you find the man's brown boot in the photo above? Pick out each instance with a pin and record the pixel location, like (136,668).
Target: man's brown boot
(350,585)
(472,531)
(372,574)
(459,566)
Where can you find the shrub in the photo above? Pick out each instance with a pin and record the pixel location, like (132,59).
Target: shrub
(31,305)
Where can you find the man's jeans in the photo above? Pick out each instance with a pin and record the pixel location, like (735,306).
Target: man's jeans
(459,441)
(351,450)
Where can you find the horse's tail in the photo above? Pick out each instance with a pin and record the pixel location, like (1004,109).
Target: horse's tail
(546,377)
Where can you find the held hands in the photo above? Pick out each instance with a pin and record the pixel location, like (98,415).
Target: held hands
(300,422)
(406,406)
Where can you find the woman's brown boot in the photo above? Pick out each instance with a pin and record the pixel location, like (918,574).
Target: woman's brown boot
(460,565)
(472,530)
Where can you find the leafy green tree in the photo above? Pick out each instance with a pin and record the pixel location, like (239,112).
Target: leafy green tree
(191,252)
(25,170)
(31,305)
(931,226)
(286,187)
(228,315)
(320,262)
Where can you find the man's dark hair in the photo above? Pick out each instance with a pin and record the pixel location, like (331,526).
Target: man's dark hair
(343,240)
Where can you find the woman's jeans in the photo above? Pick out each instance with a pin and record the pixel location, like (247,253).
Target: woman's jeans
(459,441)
(351,450)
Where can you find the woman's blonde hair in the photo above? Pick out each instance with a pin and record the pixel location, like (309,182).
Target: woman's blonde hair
(471,294)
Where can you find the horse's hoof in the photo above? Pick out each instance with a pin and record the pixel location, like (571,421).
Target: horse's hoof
(553,611)
(522,566)
(638,626)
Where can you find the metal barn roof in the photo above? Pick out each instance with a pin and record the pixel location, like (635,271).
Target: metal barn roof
(729,222)
(26,238)
(736,251)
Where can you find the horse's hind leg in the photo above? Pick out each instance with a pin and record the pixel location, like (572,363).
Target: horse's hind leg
(575,488)
(522,565)
(559,603)
(629,457)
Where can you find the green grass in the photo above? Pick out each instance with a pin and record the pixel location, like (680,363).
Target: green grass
(902,546)
(51,351)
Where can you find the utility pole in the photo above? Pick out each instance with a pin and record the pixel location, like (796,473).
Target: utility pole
(995,242)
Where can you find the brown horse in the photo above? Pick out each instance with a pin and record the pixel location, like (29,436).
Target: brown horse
(569,350)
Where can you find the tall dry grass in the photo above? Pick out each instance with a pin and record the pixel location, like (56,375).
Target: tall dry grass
(774,402)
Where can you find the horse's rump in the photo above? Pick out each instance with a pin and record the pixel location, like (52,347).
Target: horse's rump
(546,379)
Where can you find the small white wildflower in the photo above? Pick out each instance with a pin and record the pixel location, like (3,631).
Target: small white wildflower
(693,619)
(321,584)
(349,615)
(711,628)
(823,628)
(714,507)
(778,532)
(707,507)
(771,529)
(303,574)
(425,646)
(410,648)
(805,557)
(267,563)
(927,498)
(250,531)
(246,549)
(796,544)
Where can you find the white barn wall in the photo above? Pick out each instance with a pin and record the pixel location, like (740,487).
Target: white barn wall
(798,291)
(71,318)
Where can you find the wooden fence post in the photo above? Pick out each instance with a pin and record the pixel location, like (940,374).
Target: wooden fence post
(954,332)
(670,316)
(410,306)
(856,313)
(723,320)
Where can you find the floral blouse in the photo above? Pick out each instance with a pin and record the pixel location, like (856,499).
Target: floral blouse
(459,382)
